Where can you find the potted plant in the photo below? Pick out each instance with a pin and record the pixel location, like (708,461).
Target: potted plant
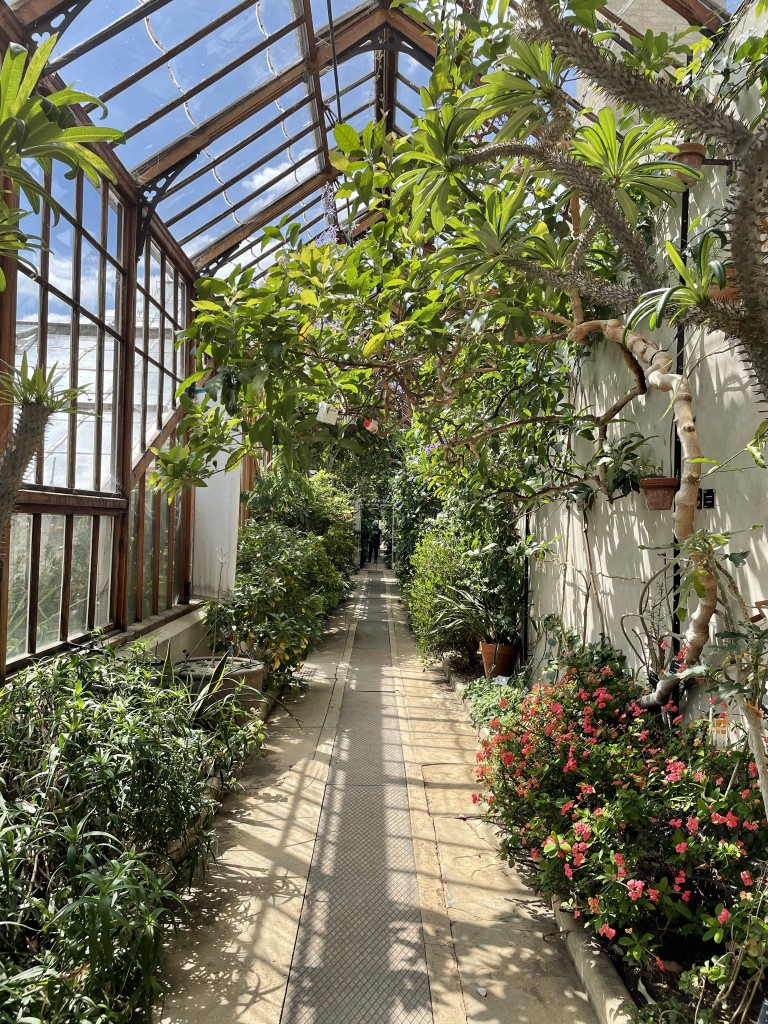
(690,154)
(497,633)
(659,490)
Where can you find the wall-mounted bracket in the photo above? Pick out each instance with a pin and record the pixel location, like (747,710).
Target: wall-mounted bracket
(210,269)
(387,38)
(153,192)
(57,21)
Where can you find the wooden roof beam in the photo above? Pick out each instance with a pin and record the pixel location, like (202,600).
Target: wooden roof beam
(699,14)
(28,11)
(263,217)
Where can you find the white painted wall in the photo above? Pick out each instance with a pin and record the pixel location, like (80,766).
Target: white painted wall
(727,415)
(214,549)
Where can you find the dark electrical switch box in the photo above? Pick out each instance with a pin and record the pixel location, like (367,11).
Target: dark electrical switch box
(707,497)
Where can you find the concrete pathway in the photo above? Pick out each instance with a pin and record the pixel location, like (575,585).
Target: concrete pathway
(356,882)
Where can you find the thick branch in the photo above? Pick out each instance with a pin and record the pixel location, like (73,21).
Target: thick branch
(658,375)
(617,79)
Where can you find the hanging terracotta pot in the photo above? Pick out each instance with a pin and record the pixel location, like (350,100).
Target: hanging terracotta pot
(691,154)
(499,659)
(731,291)
(659,492)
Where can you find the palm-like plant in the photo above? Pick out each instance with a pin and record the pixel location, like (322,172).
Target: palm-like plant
(633,160)
(696,280)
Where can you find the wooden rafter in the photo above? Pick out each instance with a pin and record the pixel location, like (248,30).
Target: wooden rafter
(269,213)
(697,13)
(28,11)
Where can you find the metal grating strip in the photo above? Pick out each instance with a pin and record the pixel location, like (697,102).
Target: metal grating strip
(359,956)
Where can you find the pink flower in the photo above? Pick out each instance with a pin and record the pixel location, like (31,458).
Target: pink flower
(692,825)
(681,847)
(676,822)
(723,916)
(607,931)
(653,895)
(751,826)
(747,878)
(475,798)
(675,771)
(594,904)
(619,858)
(568,871)
(686,896)
(635,887)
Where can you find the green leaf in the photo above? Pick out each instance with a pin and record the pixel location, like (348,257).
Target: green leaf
(346,138)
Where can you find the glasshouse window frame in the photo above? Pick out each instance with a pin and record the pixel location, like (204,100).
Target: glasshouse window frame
(112,554)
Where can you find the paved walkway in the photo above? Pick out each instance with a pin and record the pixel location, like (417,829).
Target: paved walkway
(356,882)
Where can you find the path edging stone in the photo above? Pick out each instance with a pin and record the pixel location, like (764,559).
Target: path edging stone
(607,993)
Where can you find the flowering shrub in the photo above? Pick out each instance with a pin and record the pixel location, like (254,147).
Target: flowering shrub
(487,698)
(648,832)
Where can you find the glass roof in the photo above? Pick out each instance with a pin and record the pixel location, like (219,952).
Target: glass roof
(228,105)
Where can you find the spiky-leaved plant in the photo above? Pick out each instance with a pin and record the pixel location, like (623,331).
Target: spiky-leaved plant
(34,394)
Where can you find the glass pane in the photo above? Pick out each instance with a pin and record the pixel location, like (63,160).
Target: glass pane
(18,585)
(49,586)
(55,450)
(63,187)
(177,553)
(151,413)
(92,210)
(181,307)
(27,320)
(133,554)
(108,417)
(89,277)
(112,296)
(170,288)
(81,576)
(149,551)
(140,320)
(162,597)
(138,407)
(168,346)
(115,227)
(85,450)
(104,578)
(154,273)
(169,396)
(153,339)
(61,256)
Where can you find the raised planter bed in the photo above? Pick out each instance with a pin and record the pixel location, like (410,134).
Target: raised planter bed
(608,995)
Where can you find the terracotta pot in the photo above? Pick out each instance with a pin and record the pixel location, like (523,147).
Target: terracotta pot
(731,291)
(659,492)
(692,155)
(499,659)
